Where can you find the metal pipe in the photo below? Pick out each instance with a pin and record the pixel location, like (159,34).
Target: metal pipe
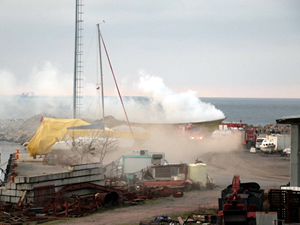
(104,198)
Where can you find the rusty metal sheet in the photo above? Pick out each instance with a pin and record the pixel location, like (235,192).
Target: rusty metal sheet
(42,194)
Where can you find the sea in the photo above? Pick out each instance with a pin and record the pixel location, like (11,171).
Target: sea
(256,111)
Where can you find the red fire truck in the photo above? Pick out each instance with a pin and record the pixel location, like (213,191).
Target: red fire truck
(248,134)
(193,132)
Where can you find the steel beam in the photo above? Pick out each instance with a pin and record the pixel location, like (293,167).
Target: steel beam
(295,148)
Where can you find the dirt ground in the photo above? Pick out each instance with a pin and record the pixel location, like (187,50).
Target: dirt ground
(269,171)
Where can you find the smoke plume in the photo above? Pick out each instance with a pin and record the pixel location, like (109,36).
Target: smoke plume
(167,106)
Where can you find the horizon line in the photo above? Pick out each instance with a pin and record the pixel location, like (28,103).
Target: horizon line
(138,96)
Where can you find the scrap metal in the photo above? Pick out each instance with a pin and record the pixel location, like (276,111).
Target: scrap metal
(70,202)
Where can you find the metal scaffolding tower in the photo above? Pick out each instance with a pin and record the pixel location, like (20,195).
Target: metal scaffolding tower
(78,60)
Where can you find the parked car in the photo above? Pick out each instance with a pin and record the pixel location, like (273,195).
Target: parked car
(258,142)
(286,152)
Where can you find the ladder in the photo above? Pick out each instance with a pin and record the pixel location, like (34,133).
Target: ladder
(78,60)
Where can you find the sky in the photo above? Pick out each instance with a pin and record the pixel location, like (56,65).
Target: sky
(233,48)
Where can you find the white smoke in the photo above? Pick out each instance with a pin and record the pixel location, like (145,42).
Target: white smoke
(166,106)
(160,105)
(8,82)
(49,80)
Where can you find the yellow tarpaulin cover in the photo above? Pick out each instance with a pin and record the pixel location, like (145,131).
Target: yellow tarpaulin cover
(49,133)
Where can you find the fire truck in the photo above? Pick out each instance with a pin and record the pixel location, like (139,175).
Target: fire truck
(248,134)
(193,132)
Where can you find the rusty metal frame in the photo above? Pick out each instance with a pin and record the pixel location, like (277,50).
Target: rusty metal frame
(42,193)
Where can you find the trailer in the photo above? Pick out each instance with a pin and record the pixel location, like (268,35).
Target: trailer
(281,141)
(187,176)
(135,161)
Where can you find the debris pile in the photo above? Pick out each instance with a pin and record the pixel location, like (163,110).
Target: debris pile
(34,191)
(30,177)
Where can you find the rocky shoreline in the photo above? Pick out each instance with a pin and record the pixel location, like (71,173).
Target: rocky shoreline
(18,130)
(22,130)
(272,128)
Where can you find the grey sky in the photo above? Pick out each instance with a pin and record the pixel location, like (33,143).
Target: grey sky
(216,48)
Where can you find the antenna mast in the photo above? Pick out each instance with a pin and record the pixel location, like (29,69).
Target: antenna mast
(78,60)
(101,73)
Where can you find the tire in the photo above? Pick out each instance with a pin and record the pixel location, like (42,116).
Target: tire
(188,186)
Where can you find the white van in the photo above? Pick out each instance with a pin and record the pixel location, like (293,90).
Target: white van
(259,141)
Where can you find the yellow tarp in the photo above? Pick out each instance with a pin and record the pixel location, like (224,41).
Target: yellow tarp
(49,133)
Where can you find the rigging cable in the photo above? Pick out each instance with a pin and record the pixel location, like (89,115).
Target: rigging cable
(112,71)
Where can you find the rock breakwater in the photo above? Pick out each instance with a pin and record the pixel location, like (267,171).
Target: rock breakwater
(22,130)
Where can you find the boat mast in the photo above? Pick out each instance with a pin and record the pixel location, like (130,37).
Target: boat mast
(78,59)
(101,74)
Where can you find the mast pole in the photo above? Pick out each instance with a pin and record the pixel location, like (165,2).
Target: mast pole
(78,59)
(75,62)
(101,74)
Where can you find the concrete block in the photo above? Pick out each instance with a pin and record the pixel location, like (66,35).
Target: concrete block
(64,175)
(13,186)
(21,187)
(62,182)
(14,199)
(2,198)
(28,194)
(12,193)
(102,182)
(6,198)
(9,185)
(85,166)
(2,189)
(9,192)
(20,193)
(19,179)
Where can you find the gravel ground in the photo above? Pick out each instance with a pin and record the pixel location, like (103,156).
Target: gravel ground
(269,171)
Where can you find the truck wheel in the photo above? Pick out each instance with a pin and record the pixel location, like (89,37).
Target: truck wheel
(250,144)
(187,187)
